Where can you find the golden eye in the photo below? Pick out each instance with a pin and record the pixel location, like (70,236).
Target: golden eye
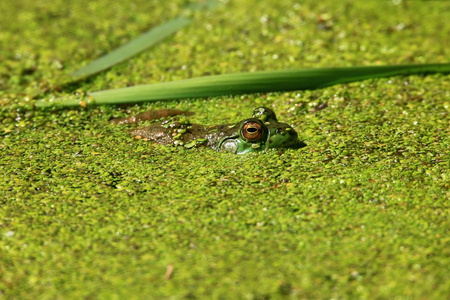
(252,131)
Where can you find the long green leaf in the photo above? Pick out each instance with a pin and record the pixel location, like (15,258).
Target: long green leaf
(244,83)
(144,41)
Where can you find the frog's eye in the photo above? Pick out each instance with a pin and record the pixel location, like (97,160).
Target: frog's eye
(265,114)
(252,131)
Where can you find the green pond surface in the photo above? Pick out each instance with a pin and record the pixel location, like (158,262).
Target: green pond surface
(89,212)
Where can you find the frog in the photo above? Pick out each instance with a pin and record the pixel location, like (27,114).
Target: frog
(259,133)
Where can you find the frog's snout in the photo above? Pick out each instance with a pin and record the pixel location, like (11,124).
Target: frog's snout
(293,141)
(284,136)
(298,144)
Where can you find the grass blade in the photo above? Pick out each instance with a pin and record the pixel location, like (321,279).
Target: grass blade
(144,41)
(245,83)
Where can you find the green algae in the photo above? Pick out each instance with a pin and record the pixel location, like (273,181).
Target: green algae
(361,212)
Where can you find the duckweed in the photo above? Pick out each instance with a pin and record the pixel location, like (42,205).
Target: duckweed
(87,211)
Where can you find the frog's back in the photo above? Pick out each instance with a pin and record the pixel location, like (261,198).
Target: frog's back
(185,134)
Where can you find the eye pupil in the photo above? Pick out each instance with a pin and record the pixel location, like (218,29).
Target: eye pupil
(252,130)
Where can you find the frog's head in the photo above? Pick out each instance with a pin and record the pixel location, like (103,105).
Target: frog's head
(256,135)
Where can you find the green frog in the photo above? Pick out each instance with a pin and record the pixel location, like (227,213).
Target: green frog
(259,133)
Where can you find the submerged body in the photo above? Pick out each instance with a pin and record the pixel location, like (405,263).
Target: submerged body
(259,133)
